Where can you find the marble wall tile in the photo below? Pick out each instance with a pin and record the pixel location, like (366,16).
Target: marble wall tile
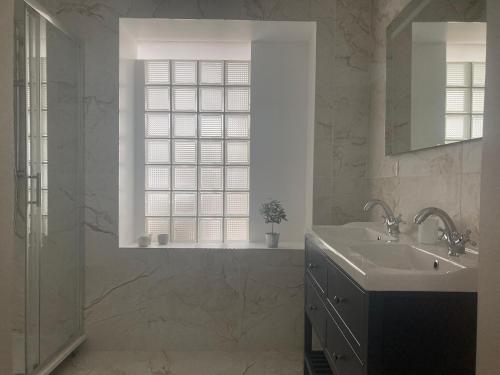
(470,203)
(446,177)
(440,161)
(197,299)
(351,111)
(387,189)
(177,363)
(441,191)
(350,207)
(472,157)
(323,153)
(322,190)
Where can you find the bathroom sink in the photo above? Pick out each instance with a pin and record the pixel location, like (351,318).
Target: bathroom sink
(367,234)
(404,257)
(350,233)
(378,262)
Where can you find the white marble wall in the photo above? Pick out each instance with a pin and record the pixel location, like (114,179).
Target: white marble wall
(196,299)
(447,177)
(351,109)
(138,298)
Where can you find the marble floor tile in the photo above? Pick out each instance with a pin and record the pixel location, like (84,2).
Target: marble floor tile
(88,362)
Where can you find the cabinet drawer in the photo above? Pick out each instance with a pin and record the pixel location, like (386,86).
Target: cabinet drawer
(339,353)
(349,303)
(316,264)
(316,311)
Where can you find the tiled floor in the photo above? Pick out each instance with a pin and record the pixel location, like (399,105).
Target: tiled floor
(87,362)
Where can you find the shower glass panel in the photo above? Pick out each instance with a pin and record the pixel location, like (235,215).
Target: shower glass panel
(59,297)
(49,183)
(33,174)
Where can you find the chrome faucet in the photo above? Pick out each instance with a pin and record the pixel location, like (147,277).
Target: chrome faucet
(456,241)
(390,220)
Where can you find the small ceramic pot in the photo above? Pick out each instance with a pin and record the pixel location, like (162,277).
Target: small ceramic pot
(163,239)
(144,241)
(272,240)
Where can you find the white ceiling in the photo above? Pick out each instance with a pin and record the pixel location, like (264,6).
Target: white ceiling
(177,30)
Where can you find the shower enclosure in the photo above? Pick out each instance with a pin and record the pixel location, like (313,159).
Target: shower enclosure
(48,293)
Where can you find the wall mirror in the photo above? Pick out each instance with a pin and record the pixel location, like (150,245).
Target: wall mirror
(436,54)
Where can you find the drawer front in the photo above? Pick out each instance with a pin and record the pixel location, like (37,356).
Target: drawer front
(339,353)
(316,264)
(349,303)
(316,311)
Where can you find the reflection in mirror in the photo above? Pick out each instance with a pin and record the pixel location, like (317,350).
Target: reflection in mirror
(448,66)
(435,75)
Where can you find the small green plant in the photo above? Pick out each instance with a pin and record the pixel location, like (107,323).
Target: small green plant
(273,212)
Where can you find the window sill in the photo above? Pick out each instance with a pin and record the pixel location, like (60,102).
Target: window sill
(216,246)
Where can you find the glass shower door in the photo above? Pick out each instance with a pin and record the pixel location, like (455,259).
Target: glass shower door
(54,169)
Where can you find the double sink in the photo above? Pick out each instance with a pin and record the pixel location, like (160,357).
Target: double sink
(380,262)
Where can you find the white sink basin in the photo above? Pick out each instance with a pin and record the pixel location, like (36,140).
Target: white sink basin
(377,262)
(405,257)
(348,233)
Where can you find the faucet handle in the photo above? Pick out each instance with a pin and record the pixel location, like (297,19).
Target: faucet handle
(399,219)
(395,219)
(442,234)
(392,224)
(465,238)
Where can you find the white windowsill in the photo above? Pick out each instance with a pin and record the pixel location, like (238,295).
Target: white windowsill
(228,246)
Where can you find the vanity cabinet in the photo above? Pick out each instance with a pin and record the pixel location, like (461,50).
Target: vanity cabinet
(362,332)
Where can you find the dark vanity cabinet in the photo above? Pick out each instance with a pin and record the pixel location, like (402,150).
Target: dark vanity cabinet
(362,332)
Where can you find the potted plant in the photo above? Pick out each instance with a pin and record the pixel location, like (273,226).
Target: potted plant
(272,212)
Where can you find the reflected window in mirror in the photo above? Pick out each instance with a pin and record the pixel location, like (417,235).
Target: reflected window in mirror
(465,83)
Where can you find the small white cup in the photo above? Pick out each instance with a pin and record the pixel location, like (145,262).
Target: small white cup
(162,239)
(144,241)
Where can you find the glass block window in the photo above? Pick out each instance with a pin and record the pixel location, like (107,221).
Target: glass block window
(465,83)
(197,149)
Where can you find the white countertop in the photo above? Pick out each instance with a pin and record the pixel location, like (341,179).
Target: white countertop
(403,265)
(243,245)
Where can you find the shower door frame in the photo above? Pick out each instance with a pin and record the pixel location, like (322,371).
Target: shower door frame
(31,293)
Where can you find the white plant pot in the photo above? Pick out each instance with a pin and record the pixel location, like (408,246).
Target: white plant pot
(144,241)
(272,240)
(163,239)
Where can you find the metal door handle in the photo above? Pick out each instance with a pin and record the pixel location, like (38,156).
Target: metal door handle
(338,299)
(38,187)
(337,357)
